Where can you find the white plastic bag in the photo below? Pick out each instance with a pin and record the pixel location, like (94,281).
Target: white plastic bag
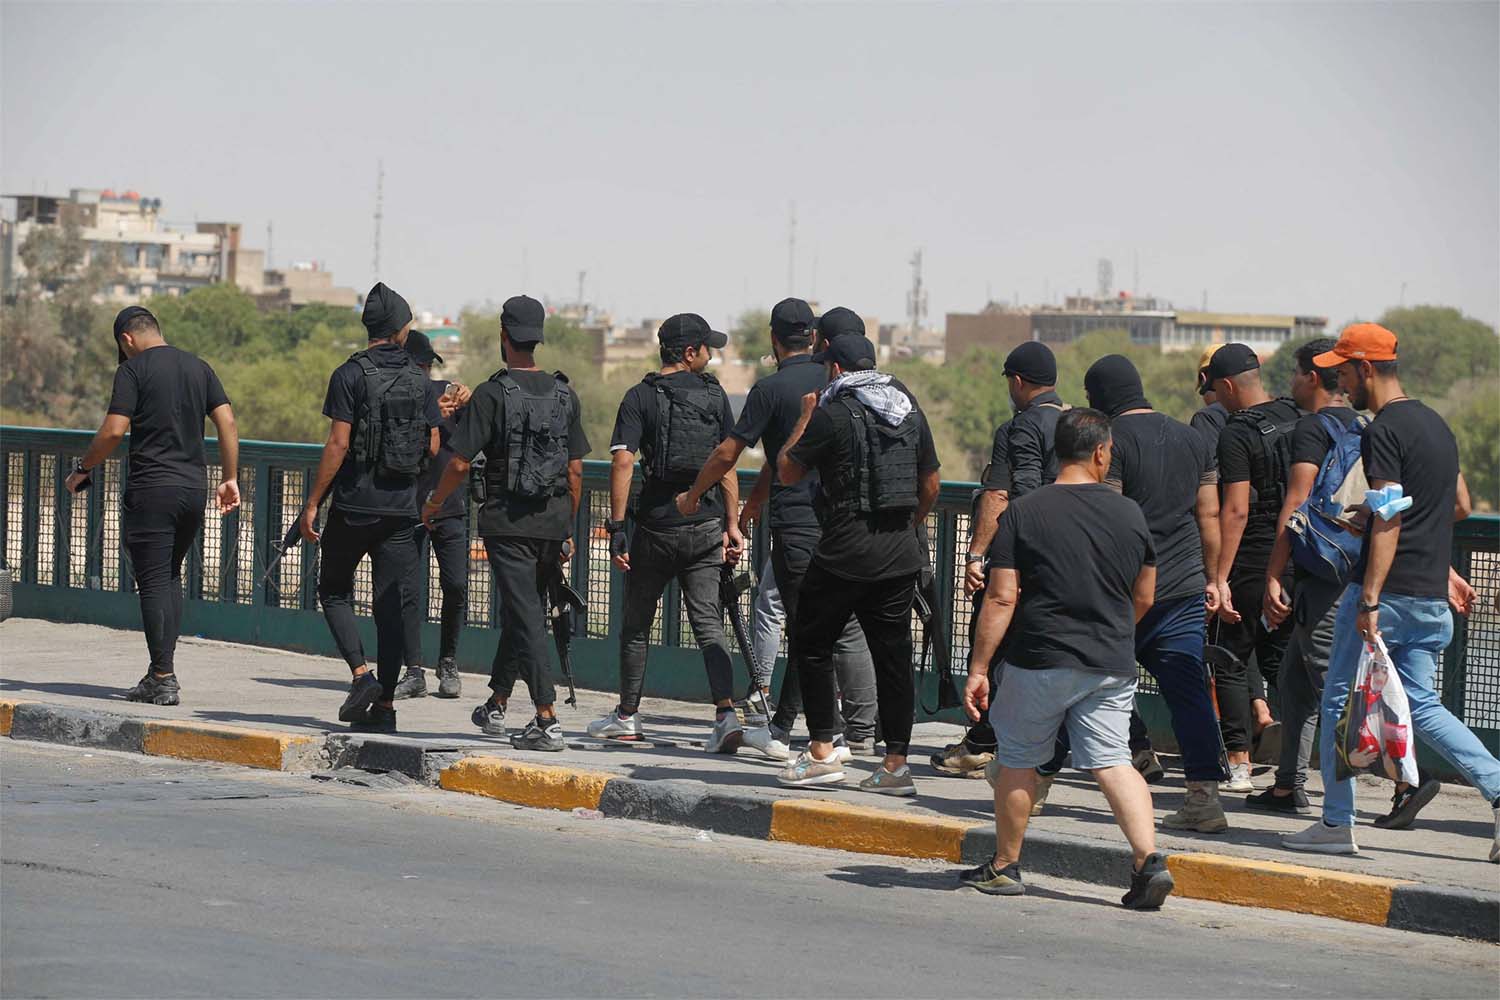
(1375,734)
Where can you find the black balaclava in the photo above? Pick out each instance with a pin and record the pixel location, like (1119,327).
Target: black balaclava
(385,312)
(1114,386)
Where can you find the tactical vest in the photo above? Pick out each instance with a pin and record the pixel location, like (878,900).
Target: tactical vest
(1271,461)
(528,456)
(390,433)
(882,476)
(688,428)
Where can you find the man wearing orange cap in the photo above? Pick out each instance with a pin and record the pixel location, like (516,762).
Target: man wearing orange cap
(1401,585)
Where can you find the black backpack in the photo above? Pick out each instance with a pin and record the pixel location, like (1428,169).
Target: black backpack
(535,441)
(1271,463)
(390,429)
(884,476)
(688,427)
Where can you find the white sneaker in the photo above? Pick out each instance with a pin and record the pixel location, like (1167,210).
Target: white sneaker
(1495,847)
(728,735)
(1239,779)
(807,772)
(761,738)
(1320,838)
(616,727)
(841,751)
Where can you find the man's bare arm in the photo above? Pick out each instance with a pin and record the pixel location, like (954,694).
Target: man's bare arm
(621,471)
(927,493)
(721,461)
(1143,594)
(334,450)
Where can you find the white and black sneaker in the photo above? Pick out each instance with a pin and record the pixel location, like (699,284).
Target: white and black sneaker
(615,726)
(364,691)
(156,690)
(728,735)
(540,734)
(449,683)
(490,718)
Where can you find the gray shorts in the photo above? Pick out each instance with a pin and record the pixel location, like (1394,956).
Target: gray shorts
(1031,705)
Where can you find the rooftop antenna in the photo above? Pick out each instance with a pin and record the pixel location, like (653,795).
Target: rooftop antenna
(916,299)
(1106,277)
(269,259)
(581,276)
(1135,275)
(379,212)
(791,248)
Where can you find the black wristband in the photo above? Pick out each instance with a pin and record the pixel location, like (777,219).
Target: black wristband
(1366,609)
(613,526)
(78,469)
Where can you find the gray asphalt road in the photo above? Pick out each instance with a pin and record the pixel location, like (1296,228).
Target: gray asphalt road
(131,876)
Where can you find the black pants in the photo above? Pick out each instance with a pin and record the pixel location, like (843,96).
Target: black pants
(1238,679)
(693,554)
(883,608)
(981,735)
(160,525)
(449,538)
(388,542)
(522,568)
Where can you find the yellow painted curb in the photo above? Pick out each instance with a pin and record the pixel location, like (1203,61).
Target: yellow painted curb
(226,744)
(820,823)
(525,784)
(1364,899)
(7,713)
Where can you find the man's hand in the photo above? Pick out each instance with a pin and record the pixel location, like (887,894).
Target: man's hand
(565,551)
(1368,622)
(976,694)
(1210,599)
(1274,603)
(973,575)
(1460,595)
(748,513)
(687,504)
(619,550)
(1226,610)
(309,524)
(734,545)
(76,480)
(229,496)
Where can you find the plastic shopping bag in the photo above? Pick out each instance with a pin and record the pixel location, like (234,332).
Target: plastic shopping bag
(1374,736)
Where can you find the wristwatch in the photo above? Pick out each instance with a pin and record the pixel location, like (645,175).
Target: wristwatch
(78,469)
(613,526)
(975,558)
(431,499)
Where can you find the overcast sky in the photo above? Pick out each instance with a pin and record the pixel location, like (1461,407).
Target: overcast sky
(1291,158)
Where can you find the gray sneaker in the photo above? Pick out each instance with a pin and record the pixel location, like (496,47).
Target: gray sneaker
(862,748)
(413,684)
(884,782)
(449,683)
(540,734)
(728,735)
(1320,838)
(809,772)
(490,718)
(1239,779)
(615,726)
(764,739)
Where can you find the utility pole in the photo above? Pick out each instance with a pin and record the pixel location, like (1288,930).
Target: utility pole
(379,212)
(581,276)
(269,259)
(791,248)
(1135,276)
(916,299)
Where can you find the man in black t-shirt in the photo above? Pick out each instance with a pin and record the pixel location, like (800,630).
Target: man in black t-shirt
(1253,456)
(1209,420)
(1075,560)
(1312,605)
(872,451)
(381,421)
(161,396)
(1169,470)
(528,424)
(448,536)
(770,413)
(674,419)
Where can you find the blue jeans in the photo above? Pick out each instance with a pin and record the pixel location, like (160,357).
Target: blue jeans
(1169,644)
(1416,630)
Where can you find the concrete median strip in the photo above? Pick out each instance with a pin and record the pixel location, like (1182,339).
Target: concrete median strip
(1367,899)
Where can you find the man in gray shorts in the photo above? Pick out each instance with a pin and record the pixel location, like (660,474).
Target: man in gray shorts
(1080,556)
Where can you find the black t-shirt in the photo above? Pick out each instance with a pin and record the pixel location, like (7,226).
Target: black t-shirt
(771,412)
(997,473)
(1077,550)
(455,503)
(1209,421)
(1408,443)
(636,425)
(1160,463)
(358,489)
(859,546)
(1310,440)
(1239,447)
(1028,445)
(167,394)
(483,430)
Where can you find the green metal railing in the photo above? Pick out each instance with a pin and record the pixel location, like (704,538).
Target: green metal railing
(70,565)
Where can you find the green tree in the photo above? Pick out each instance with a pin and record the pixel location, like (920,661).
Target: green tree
(1476,425)
(750,336)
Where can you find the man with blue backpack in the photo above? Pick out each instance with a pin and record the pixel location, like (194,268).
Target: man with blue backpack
(1310,534)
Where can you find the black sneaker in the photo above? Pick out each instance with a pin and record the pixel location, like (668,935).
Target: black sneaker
(413,684)
(539,734)
(490,718)
(1150,886)
(378,719)
(1405,804)
(364,691)
(1294,804)
(156,690)
(449,684)
(994,881)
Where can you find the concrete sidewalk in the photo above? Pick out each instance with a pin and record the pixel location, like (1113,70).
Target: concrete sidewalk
(89,667)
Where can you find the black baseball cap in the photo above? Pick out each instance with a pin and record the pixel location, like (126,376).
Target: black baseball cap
(419,346)
(689,330)
(791,318)
(1034,362)
(852,352)
(838,322)
(522,318)
(1229,361)
(124,318)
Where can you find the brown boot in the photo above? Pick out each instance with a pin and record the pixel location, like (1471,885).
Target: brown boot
(1201,810)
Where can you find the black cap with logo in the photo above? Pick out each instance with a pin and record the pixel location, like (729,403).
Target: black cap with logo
(1229,361)
(522,318)
(791,318)
(689,330)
